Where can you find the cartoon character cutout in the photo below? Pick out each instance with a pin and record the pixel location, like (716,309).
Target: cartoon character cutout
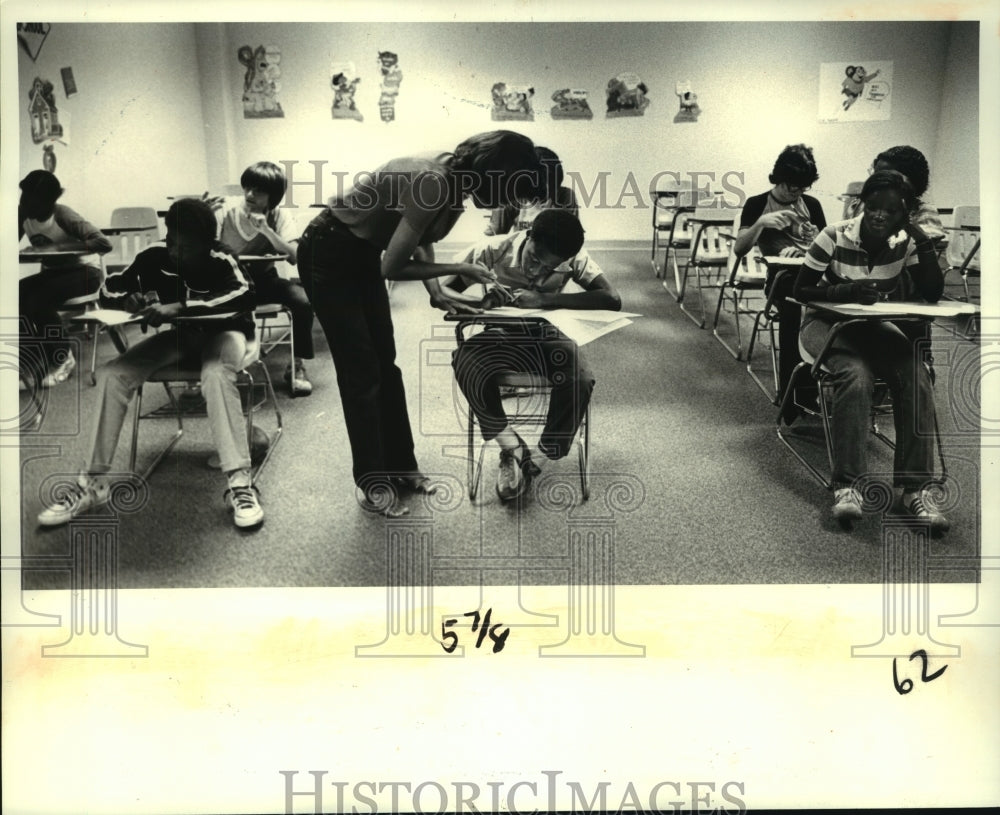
(261,82)
(688,99)
(854,85)
(571,104)
(626,95)
(345,84)
(392,76)
(512,102)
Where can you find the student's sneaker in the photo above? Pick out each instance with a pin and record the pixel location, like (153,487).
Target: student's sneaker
(60,373)
(515,472)
(244,504)
(920,505)
(847,505)
(297,381)
(87,493)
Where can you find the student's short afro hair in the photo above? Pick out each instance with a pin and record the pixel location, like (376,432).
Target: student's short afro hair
(42,185)
(194,218)
(910,162)
(559,231)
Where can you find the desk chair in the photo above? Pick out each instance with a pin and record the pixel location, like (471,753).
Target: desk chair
(132,230)
(814,368)
(962,252)
(670,202)
(188,372)
(710,255)
(765,321)
(526,402)
(850,197)
(746,279)
(274,327)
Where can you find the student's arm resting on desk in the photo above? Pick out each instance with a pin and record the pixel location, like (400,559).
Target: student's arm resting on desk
(597,292)
(228,289)
(78,227)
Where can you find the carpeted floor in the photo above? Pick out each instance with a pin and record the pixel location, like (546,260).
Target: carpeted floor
(690,484)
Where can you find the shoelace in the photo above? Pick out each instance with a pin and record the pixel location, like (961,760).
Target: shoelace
(73,496)
(918,507)
(244,497)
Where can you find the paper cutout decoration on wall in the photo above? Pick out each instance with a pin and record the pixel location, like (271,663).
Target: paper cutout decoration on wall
(855,92)
(627,95)
(261,82)
(512,103)
(571,104)
(42,112)
(388,64)
(49,158)
(32,36)
(689,110)
(344,81)
(69,83)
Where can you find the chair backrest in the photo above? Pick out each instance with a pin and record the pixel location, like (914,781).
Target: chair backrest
(963,249)
(129,244)
(714,241)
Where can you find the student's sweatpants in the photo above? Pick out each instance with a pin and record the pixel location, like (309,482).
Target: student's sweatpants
(222,354)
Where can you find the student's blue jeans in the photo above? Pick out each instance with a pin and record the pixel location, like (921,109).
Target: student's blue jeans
(863,352)
(342,277)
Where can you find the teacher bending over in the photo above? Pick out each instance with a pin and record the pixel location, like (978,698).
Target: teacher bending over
(384,228)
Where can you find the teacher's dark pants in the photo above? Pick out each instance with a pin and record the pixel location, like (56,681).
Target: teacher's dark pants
(342,278)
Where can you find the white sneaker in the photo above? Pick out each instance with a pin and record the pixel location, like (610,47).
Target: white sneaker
(243,503)
(61,373)
(847,505)
(298,382)
(922,507)
(87,493)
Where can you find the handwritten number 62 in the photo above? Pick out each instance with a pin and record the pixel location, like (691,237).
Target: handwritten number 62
(906,685)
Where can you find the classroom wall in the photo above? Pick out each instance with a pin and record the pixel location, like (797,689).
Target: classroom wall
(135,129)
(955,163)
(757,85)
(159,110)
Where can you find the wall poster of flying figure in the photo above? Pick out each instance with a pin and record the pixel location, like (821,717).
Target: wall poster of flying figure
(855,91)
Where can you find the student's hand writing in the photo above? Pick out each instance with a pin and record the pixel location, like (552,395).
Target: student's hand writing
(159,313)
(791,252)
(527,298)
(134,302)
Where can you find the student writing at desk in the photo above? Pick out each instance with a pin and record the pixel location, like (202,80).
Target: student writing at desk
(192,277)
(532,268)
(862,260)
(52,226)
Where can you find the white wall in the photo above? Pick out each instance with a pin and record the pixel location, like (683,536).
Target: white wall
(955,164)
(159,110)
(136,132)
(757,85)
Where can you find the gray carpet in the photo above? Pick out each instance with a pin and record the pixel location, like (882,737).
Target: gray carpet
(690,484)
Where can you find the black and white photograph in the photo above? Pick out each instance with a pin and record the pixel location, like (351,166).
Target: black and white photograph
(375,452)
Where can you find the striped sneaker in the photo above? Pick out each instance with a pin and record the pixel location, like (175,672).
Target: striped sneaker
(921,506)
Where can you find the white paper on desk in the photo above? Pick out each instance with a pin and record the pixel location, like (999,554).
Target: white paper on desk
(917,309)
(580,325)
(108,316)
